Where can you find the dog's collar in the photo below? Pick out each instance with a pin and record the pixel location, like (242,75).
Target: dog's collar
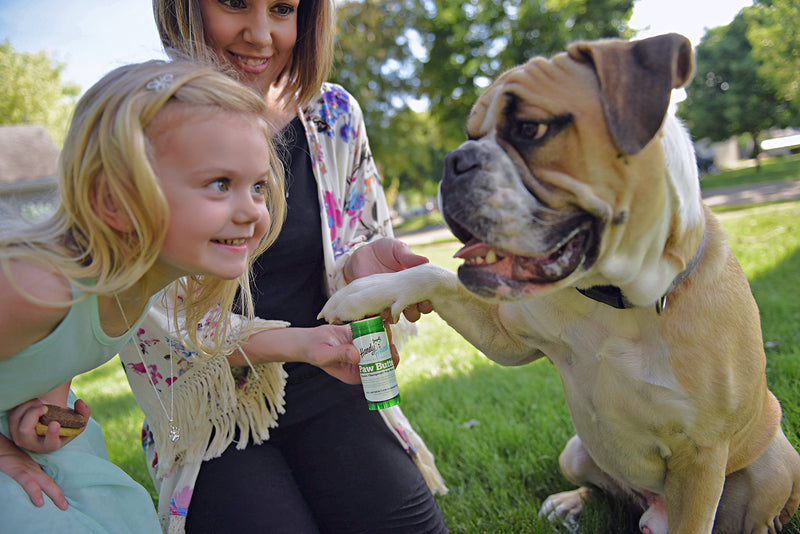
(612,295)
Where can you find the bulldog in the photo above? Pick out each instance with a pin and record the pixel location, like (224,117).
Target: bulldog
(586,242)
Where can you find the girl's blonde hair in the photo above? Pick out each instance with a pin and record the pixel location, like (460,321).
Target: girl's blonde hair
(106,161)
(180,27)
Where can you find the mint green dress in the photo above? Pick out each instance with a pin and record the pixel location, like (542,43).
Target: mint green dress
(102,498)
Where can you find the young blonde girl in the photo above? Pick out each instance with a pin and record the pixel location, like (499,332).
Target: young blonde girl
(166,172)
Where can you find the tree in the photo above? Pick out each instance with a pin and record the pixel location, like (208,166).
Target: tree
(728,96)
(776,45)
(401,56)
(31,91)
(414,154)
(470,43)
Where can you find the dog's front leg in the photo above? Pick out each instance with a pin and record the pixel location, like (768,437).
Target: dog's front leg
(474,319)
(693,486)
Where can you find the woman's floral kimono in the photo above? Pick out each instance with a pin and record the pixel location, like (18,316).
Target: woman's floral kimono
(211,397)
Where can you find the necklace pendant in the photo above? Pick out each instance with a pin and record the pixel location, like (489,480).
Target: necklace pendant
(174,433)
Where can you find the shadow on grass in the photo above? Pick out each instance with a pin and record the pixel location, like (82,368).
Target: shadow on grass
(497,433)
(780,319)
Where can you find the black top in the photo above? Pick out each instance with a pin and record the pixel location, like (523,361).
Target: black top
(288,279)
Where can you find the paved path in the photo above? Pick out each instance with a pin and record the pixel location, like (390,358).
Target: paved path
(730,196)
(752,194)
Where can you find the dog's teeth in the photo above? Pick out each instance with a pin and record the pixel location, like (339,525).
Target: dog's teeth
(491,257)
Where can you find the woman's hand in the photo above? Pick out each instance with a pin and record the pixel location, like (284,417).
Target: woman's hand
(386,255)
(28,474)
(22,421)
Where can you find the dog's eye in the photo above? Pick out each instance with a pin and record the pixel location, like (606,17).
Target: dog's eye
(532,130)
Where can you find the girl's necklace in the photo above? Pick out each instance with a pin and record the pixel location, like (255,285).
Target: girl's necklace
(174,431)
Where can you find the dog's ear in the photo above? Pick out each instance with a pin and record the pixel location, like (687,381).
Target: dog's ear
(636,81)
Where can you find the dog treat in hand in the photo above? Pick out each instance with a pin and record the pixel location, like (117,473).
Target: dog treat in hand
(71,422)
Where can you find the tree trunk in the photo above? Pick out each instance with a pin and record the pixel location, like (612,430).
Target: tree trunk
(756,150)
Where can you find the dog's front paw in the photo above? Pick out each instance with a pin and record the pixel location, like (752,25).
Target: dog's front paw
(564,508)
(365,297)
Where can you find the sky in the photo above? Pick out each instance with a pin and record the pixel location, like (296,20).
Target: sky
(92,38)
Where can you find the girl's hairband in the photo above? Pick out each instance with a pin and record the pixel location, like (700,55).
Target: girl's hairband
(160,83)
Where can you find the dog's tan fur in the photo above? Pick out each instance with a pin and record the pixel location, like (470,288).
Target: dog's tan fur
(573,178)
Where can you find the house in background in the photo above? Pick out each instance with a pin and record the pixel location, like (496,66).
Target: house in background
(28,170)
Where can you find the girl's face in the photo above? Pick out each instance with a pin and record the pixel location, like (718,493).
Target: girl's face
(213,167)
(256,37)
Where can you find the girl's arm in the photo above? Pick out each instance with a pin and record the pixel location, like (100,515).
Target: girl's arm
(24,321)
(328,347)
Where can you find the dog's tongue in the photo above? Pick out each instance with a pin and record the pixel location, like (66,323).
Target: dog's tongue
(536,269)
(480,255)
(473,249)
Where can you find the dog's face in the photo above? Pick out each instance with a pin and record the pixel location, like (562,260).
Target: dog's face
(563,180)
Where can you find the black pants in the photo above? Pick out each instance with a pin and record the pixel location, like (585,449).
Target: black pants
(331,466)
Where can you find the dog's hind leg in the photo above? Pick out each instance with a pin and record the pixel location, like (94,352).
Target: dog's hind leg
(763,496)
(580,469)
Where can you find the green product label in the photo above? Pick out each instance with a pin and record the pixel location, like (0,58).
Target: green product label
(377,369)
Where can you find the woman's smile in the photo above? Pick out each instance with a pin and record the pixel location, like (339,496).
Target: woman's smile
(249,64)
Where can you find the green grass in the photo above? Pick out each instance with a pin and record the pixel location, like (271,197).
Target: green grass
(772,170)
(497,432)
(416,224)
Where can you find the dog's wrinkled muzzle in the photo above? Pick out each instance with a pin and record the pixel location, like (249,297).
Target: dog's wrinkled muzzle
(515,245)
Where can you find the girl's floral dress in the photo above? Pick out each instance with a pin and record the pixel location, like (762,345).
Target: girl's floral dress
(210,397)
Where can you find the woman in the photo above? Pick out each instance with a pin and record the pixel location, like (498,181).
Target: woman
(312,458)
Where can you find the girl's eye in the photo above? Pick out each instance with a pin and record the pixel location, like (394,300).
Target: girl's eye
(220,184)
(233,4)
(260,189)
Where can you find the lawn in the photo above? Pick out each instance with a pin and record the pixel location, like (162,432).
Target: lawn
(772,170)
(497,432)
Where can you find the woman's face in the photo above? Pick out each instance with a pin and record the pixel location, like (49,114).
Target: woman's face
(256,37)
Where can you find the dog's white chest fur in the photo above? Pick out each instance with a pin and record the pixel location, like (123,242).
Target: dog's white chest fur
(623,397)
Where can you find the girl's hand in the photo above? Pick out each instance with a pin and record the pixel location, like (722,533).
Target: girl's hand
(28,474)
(333,352)
(386,255)
(330,347)
(22,421)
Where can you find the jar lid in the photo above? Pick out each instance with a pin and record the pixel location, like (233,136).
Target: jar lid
(367,326)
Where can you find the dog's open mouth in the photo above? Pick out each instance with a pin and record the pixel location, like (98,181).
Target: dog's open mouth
(487,265)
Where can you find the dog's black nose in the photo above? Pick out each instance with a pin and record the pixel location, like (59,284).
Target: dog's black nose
(461,160)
